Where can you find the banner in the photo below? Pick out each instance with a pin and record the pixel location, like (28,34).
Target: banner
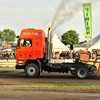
(87,20)
(7,45)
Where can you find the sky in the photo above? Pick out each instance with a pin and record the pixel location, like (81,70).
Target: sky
(21,14)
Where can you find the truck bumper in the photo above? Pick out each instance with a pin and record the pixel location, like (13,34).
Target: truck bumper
(20,66)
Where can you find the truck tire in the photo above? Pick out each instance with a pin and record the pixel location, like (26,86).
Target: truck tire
(81,72)
(32,70)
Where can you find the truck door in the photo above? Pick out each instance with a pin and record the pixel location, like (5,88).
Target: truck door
(25,48)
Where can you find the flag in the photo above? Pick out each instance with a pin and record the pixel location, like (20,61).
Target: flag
(87,20)
(45,29)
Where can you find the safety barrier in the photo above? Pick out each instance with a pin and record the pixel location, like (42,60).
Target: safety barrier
(7,63)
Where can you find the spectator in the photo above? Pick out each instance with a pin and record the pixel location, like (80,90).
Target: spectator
(94,55)
(66,54)
(98,54)
(7,55)
(73,54)
(57,55)
(3,55)
(70,55)
(77,55)
(90,54)
(11,55)
(14,55)
(63,55)
(53,54)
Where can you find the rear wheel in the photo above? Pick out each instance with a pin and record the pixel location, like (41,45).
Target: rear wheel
(32,70)
(82,72)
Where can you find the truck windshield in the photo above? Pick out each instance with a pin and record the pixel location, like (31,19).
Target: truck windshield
(25,42)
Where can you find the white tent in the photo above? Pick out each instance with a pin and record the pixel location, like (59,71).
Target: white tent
(87,45)
(94,40)
(57,44)
(96,45)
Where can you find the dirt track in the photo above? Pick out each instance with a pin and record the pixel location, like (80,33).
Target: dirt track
(28,93)
(18,76)
(13,76)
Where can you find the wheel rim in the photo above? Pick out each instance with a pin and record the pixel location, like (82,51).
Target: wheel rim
(31,70)
(81,73)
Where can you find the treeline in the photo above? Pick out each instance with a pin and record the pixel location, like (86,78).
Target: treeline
(7,35)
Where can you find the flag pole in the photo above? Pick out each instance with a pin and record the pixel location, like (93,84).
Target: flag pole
(91,48)
(91,31)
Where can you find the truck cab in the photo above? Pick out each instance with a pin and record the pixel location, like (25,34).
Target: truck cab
(31,47)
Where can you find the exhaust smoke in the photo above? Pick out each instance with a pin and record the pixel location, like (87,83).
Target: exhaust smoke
(66,11)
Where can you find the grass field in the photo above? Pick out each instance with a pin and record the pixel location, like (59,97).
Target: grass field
(54,85)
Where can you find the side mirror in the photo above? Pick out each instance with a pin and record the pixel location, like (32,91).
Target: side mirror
(17,36)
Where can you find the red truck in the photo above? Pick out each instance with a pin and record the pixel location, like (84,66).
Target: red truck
(34,55)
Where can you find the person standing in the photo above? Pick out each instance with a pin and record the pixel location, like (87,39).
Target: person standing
(94,55)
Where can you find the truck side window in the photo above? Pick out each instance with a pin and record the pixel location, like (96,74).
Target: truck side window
(25,42)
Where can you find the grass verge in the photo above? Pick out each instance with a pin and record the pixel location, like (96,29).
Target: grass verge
(7,67)
(53,85)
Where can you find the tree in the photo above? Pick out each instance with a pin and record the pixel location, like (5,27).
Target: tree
(7,35)
(1,36)
(70,37)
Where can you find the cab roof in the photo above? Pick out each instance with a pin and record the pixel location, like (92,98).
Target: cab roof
(29,33)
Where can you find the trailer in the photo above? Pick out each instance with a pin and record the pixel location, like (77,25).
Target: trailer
(34,55)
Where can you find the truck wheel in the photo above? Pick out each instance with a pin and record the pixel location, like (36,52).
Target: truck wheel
(32,70)
(81,72)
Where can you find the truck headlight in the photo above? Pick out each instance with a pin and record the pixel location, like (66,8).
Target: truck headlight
(21,62)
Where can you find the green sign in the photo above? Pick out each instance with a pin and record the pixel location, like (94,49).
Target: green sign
(87,20)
